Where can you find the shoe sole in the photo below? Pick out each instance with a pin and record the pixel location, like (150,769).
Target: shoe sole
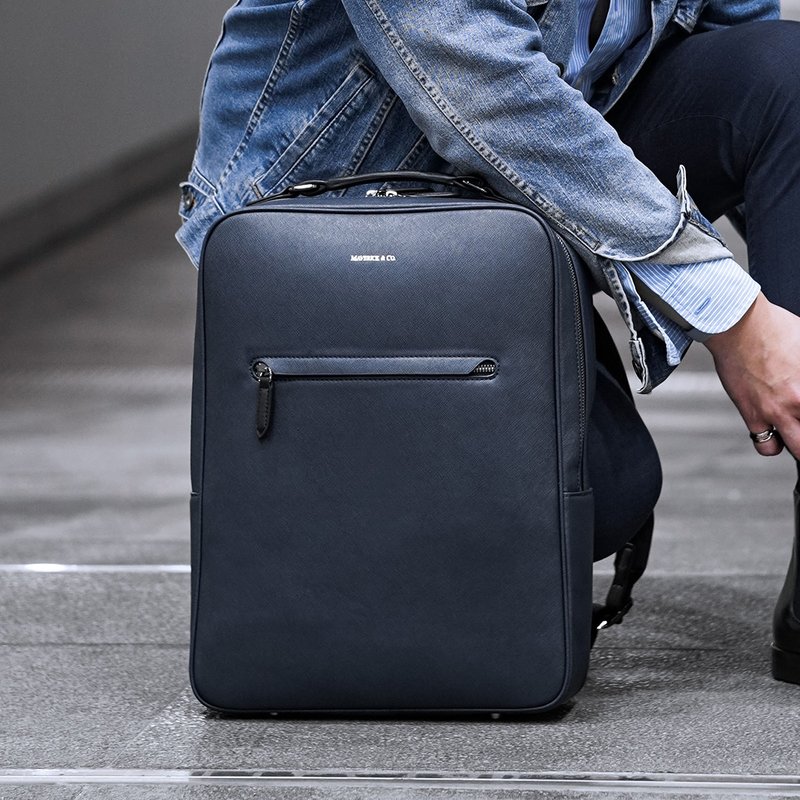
(785,665)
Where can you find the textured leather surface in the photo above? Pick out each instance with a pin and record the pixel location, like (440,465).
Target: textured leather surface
(396,543)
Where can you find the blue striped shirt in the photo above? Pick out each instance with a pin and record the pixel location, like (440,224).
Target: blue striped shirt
(626,22)
(707,296)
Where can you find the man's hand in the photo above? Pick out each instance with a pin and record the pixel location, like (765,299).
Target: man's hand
(758,362)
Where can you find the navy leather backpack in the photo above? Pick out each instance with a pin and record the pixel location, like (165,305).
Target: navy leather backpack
(391,511)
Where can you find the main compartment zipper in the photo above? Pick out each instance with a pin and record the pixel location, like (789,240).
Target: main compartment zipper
(267,370)
(579,335)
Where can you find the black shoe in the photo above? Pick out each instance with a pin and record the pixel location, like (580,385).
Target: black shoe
(786,622)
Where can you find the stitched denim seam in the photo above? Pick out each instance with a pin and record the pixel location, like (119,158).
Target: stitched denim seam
(626,310)
(618,294)
(469,136)
(313,124)
(697,224)
(207,186)
(372,132)
(201,195)
(277,70)
(686,19)
(414,153)
(409,158)
(310,125)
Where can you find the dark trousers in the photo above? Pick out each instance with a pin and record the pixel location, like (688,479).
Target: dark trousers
(726,105)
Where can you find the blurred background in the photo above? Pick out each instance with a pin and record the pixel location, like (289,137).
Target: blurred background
(99,107)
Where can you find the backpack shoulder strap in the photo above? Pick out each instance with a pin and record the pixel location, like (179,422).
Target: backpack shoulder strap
(629,565)
(631,560)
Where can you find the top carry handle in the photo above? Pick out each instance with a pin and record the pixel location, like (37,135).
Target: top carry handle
(311,188)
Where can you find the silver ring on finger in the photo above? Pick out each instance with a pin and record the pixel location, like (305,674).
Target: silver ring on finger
(763,436)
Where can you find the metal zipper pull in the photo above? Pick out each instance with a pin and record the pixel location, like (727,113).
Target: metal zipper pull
(264,409)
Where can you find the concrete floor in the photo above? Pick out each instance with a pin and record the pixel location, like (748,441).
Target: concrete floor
(95,345)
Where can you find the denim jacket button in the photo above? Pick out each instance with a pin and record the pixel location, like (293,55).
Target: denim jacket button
(187,201)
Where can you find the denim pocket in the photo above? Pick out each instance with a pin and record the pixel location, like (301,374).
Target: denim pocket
(318,145)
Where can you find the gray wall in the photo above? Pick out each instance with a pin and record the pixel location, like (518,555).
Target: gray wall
(790,9)
(86,83)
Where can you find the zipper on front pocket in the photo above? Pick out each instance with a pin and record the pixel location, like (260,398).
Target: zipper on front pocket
(377,368)
(263,374)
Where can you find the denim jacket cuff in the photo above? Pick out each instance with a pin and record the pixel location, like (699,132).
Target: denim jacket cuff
(696,289)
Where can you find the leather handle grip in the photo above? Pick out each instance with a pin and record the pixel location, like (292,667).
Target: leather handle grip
(314,187)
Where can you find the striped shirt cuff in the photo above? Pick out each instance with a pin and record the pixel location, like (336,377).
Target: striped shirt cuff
(711,296)
(708,297)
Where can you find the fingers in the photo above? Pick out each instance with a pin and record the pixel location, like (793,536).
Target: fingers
(766,440)
(758,362)
(788,434)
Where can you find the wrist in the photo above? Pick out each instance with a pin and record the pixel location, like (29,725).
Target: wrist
(748,325)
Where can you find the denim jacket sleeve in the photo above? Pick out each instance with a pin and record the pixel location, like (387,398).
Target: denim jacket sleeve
(474,78)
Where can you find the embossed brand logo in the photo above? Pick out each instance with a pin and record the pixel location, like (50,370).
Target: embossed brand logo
(385,257)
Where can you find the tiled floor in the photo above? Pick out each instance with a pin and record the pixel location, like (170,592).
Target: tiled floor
(95,343)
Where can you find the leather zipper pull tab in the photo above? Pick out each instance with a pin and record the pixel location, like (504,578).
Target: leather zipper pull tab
(264,409)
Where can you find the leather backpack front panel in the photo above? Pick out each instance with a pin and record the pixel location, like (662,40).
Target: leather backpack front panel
(396,539)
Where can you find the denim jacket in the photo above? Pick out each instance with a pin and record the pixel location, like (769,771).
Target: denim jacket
(300,89)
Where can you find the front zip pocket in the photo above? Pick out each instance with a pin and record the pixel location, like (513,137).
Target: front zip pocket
(268,370)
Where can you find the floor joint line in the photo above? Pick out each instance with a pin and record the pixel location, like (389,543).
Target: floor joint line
(645,783)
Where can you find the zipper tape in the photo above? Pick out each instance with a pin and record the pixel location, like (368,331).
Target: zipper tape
(345,366)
